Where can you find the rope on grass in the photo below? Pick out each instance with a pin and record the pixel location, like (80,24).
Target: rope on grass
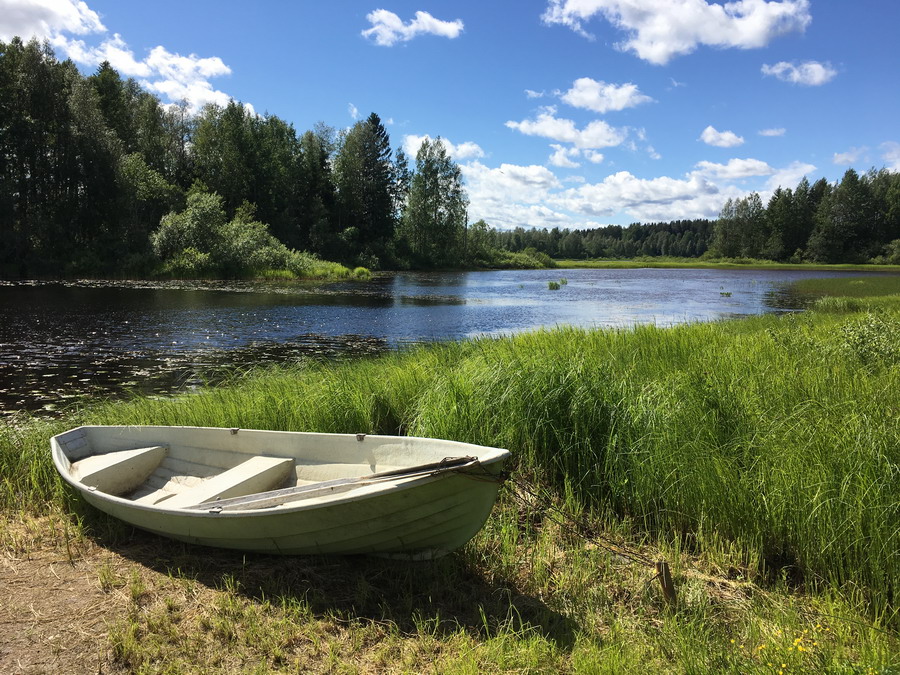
(577,527)
(580,529)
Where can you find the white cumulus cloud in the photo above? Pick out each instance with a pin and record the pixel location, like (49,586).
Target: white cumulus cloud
(173,76)
(721,139)
(597,134)
(463,151)
(735,168)
(46,19)
(809,73)
(602,97)
(532,196)
(388,29)
(788,177)
(658,30)
(564,157)
(661,198)
(511,195)
(113,49)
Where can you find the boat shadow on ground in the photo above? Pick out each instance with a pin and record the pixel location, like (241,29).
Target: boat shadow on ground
(449,594)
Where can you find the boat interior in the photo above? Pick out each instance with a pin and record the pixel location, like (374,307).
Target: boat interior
(197,466)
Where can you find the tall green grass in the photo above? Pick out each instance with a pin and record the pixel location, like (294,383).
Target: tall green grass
(776,437)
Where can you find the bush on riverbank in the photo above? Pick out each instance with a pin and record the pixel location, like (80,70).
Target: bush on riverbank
(199,242)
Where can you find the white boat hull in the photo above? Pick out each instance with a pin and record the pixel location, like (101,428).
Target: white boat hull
(421,514)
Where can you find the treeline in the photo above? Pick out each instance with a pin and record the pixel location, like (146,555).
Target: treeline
(855,220)
(679,238)
(97,177)
(90,166)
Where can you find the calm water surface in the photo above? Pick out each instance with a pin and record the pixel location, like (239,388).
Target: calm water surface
(60,342)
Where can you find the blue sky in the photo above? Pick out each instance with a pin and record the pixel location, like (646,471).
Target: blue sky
(568,113)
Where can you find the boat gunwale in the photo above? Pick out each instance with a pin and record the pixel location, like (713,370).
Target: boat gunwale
(372,490)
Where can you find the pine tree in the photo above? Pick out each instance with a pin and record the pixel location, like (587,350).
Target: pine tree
(366,192)
(315,196)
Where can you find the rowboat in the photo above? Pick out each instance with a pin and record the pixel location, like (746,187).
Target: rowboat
(286,492)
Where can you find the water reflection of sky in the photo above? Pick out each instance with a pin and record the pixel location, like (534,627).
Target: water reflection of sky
(64,340)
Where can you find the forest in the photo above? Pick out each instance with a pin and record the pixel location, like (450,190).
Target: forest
(98,177)
(856,220)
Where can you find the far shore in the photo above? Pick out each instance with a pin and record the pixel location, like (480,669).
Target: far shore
(736,264)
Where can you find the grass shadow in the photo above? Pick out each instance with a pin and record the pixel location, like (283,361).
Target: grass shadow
(448,595)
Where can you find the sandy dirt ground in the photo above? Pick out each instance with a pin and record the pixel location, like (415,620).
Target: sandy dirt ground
(54,615)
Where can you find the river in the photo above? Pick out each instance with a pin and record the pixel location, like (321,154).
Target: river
(62,342)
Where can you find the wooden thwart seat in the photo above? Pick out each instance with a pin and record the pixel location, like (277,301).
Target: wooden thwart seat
(257,474)
(116,473)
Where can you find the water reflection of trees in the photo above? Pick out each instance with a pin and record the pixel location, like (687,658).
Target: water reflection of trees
(786,298)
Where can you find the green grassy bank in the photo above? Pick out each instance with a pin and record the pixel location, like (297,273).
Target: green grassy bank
(761,456)
(724,263)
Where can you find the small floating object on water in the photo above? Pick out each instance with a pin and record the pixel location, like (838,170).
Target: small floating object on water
(286,492)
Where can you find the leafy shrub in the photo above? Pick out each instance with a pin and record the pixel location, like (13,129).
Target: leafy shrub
(872,339)
(198,226)
(189,263)
(200,241)
(890,255)
(248,247)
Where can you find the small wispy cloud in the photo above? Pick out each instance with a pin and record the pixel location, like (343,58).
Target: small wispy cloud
(890,153)
(463,151)
(353,111)
(852,155)
(780,131)
(388,29)
(809,73)
(735,168)
(564,157)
